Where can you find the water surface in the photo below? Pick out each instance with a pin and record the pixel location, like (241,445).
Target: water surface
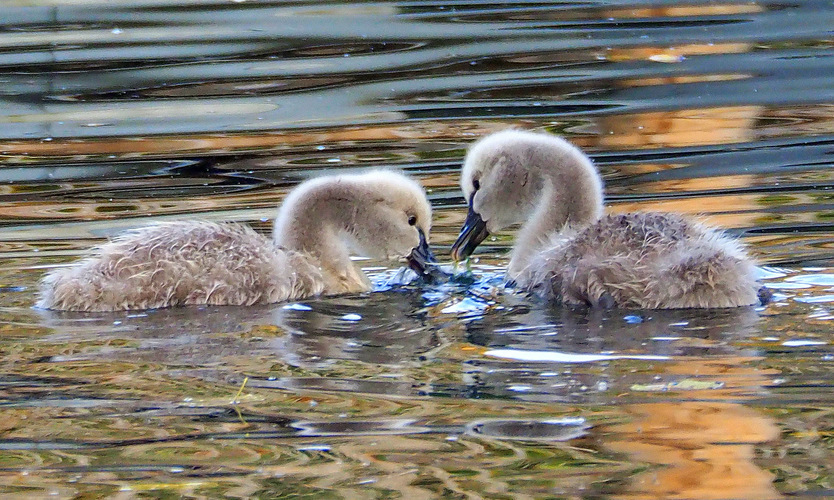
(115,116)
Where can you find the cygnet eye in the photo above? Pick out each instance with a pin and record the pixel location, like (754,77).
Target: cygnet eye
(412,219)
(476,184)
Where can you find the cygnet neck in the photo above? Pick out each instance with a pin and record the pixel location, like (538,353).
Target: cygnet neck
(570,199)
(314,222)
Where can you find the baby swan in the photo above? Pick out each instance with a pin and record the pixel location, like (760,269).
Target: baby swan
(379,214)
(567,251)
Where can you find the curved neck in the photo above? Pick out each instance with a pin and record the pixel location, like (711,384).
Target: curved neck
(312,226)
(570,199)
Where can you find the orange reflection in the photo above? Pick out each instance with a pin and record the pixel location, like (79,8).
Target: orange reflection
(168,146)
(687,127)
(674,54)
(706,448)
(684,11)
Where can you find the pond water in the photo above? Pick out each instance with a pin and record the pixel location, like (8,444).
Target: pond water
(116,114)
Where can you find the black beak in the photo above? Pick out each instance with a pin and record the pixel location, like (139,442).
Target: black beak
(474,231)
(421,257)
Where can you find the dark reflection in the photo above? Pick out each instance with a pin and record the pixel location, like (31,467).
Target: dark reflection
(539,353)
(530,430)
(380,328)
(336,384)
(538,327)
(62,82)
(358,428)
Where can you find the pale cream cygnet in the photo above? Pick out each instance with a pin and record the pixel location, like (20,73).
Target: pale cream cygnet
(569,252)
(378,214)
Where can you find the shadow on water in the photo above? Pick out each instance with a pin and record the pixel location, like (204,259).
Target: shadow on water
(116,115)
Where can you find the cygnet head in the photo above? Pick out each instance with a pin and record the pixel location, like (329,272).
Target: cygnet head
(514,176)
(379,214)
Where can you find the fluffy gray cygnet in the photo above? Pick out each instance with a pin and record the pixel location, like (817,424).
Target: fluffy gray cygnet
(569,252)
(380,214)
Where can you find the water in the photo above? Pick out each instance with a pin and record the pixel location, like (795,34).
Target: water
(117,115)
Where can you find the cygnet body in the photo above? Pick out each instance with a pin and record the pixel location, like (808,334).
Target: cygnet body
(378,214)
(568,251)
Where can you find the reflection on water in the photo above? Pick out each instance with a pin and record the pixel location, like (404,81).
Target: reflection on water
(707,448)
(143,110)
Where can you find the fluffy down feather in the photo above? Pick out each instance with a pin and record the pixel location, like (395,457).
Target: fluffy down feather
(568,252)
(380,214)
